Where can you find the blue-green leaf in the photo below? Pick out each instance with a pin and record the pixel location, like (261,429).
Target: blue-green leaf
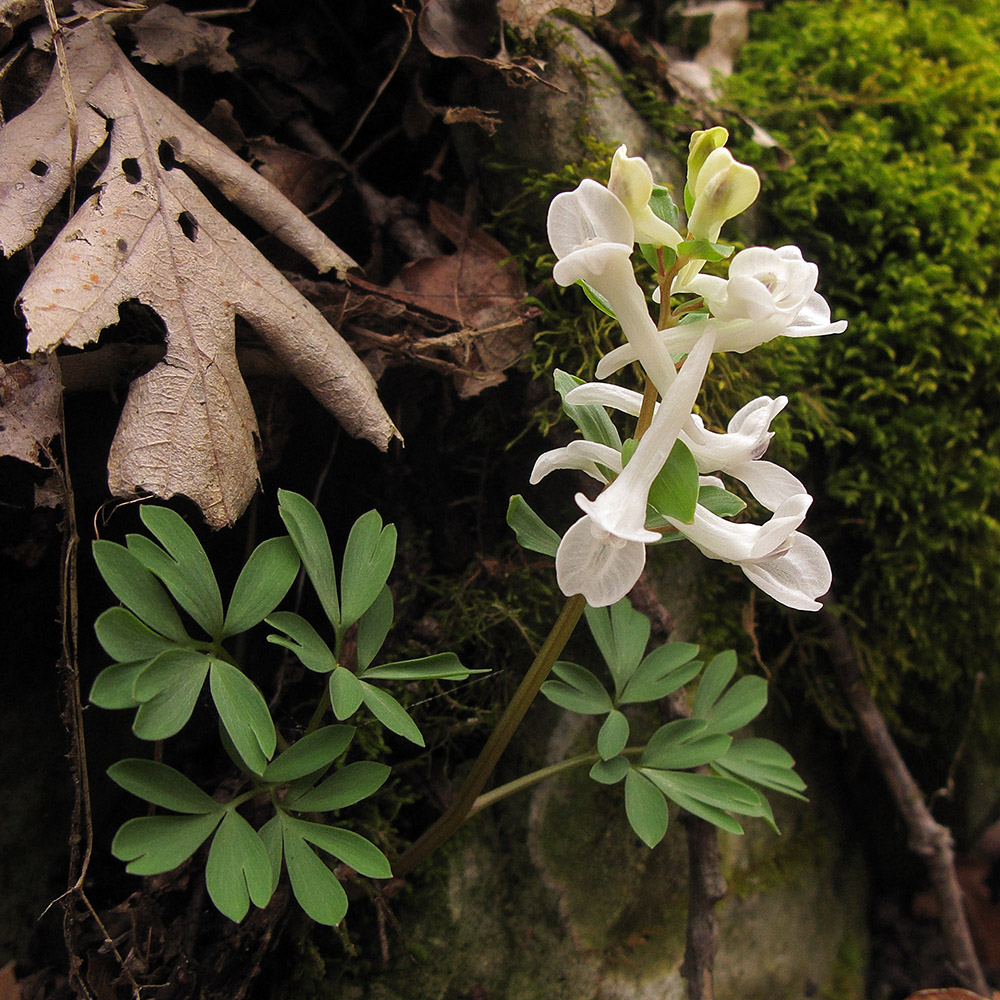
(351,848)
(664,208)
(349,785)
(138,589)
(646,809)
(530,530)
(597,299)
(155,844)
(684,754)
(373,627)
(184,567)
(577,690)
(262,584)
(243,711)
(719,501)
(744,701)
(303,640)
(674,492)
(610,772)
(705,250)
(113,686)
(593,421)
(612,736)
(390,713)
(270,837)
(315,886)
(162,785)
(663,671)
(309,536)
(439,666)
(316,751)
(717,675)
(168,689)
(346,693)
(621,634)
(238,868)
(368,559)
(126,639)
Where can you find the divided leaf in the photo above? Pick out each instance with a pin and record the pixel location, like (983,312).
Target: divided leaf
(162,785)
(314,752)
(262,584)
(577,689)
(244,713)
(192,565)
(368,559)
(155,844)
(238,870)
(530,530)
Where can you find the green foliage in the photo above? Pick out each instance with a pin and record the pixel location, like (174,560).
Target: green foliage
(161,669)
(890,112)
(663,769)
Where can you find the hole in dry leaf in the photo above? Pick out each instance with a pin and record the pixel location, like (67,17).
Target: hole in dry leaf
(189,225)
(39,168)
(131,170)
(122,246)
(165,152)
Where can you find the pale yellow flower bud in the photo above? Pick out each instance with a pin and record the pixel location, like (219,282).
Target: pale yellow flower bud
(701,146)
(724,188)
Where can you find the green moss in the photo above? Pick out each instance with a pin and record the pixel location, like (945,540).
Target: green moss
(890,112)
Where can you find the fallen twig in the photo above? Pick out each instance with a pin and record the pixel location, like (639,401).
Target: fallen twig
(927,838)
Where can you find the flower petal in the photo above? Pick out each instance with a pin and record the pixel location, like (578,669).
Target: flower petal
(596,564)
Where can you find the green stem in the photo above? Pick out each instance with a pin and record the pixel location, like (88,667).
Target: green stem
(459,811)
(527,780)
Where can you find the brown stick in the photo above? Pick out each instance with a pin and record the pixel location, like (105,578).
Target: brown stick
(927,838)
(706,886)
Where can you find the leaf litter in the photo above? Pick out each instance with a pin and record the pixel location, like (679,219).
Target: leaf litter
(149,234)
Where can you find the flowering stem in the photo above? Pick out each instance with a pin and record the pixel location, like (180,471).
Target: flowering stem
(460,810)
(527,780)
(645,418)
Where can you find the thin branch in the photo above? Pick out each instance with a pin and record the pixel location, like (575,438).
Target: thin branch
(927,838)
(706,886)
(457,813)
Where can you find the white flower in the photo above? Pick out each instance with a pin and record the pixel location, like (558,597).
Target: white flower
(769,293)
(591,233)
(602,554)
(632,183)
(587,456)
(723,187)
(737,452)
(600,566)
(785,564)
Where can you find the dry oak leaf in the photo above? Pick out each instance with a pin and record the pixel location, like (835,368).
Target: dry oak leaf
(167,36)
(479,287)
(30,409)
(526,15)
(149,234)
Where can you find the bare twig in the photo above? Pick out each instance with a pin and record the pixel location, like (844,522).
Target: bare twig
(927,838)
(706,886)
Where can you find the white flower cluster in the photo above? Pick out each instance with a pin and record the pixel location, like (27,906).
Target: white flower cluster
(768,293)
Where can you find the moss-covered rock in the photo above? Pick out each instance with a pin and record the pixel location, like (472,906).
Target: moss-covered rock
(890,111)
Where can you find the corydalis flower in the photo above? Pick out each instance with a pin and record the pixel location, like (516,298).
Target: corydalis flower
(769,293)
(781,561)
(602,554)
(722,188)
(632,183)
(592,234)
(737,453)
